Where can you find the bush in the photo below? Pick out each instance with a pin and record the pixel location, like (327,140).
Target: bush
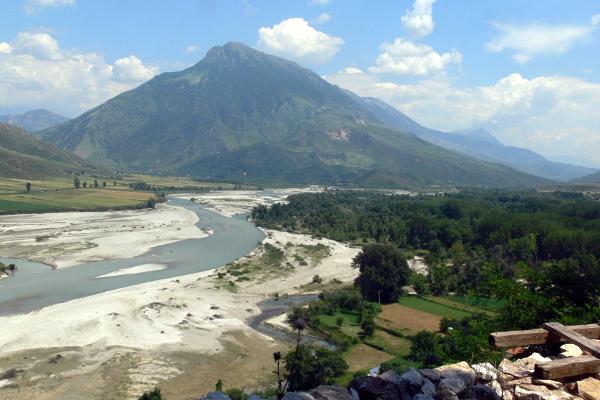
(153,395)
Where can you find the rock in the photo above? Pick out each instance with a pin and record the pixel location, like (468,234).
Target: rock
(460,371)
(354,394)
(483,392)
(445,394)
(428,388)
(413,378)
(485,371)
(216,396)
(533,392)
(254,397)
(554,385)
(516,382)
(297,396)
(432,375)
(391,376)
(589,388)
(329,393)
(571,387)
(510,368)
(371,388)
(529,363)
(570,350)
(455,385)
(422,397)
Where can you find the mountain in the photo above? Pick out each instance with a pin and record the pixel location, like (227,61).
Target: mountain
(24,156)
(34,121)
(480,144)
(591,178)
(582,162)
(242,114)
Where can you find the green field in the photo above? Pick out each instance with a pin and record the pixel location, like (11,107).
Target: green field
(476,303)
(431,307)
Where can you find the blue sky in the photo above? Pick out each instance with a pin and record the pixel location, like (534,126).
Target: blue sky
(526,70)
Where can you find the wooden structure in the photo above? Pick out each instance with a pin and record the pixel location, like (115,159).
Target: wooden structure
(553,332)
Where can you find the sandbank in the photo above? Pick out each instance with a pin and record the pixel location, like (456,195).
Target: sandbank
(138,269)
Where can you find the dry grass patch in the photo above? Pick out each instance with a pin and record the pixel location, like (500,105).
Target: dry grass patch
(364,357)
(400,318)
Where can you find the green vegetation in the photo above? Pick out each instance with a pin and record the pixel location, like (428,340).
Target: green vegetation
(431,307)
(151,395)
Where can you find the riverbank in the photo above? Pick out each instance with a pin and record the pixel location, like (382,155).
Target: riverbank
(171,332)
(63,240)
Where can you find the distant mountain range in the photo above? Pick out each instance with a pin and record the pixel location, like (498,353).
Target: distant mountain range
(34,121)
(480,144)
(244,115)
(24,156)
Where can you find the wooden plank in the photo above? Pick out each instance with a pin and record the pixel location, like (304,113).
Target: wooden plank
(566,367)
(539,336)
(573,337)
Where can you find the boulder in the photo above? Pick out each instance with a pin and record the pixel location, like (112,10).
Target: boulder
(483,392)
(297,396)
(454,385)
(371,388)
(533,392)
(432,375)
(329,393)
(422,397)
(413,378)
(391,376)
(460,371)
(589,388)
(570,350)
(445,394)
(255,397)
(428,388)
(529,363)
(485,371)
(216,396)
(550,384)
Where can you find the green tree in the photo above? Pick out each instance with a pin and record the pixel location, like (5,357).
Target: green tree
(28,186)
(76,183)
(219,386)
(151,202)
(104,184)
(308,368)
(339,321)
(425,347)
(383,272)
(84,185)
(95,183)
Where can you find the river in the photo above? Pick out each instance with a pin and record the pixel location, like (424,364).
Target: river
(37,285)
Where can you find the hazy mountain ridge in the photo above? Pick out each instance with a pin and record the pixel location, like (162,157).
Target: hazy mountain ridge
(479,143)
(22,155)
(239,106)
(34,121)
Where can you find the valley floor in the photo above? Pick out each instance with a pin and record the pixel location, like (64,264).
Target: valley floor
(182,334)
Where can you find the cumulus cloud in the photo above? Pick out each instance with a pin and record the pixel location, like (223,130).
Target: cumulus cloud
(404,57)
(321,19)
(319,2)
(550,115)
(33,6)
(350,70)
(596,19)
(534,39)
(296,40)
(419,22)
(38,44)
(130,70)
(191,49)
(36,72)
(5,48)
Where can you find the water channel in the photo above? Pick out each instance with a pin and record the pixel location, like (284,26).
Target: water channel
(36,285)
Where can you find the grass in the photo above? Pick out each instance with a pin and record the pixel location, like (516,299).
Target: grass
(493,305)
(431,307)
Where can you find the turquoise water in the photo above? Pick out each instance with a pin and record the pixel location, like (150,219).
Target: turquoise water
(36,285)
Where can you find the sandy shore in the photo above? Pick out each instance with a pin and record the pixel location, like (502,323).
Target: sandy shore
(192,313)
(67,239)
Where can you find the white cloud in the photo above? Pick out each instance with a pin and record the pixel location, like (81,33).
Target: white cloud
(551,115)
(39,45)
(419,22)
(5,48)
(296,40)
(38,74)
(131,69)
(404,57)
(192,49)
(528,41)
(33,6)
(319,2)
(596,19)
(350,70)
(321,19)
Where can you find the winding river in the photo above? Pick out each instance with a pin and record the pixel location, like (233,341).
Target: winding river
(36,285)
